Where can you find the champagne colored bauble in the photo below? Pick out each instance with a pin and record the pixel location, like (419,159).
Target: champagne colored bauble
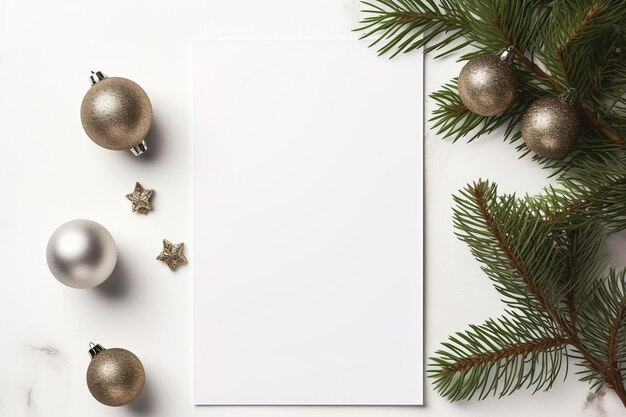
(116,113)
(550,127)
(487,85)
(81,254)
(115,376)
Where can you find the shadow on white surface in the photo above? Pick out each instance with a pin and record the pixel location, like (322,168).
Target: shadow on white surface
(155,141)
(118,285)
(145,403)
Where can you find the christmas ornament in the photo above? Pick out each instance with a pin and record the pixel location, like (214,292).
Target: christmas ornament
(115,376)
(550,127)
(81,254)
(487,84)
(116,113)
(140,198)
(172,254)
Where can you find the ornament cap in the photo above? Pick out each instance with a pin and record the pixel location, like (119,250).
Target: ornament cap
(139,148)
(94,349)
(96,77)
(569,96)
(507,55)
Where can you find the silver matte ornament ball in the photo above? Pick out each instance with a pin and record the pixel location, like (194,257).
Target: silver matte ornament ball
(81,254)
(550,127)
(116,113)
(115,376)
(487,84)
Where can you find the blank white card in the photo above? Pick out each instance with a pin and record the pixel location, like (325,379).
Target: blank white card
(307,223)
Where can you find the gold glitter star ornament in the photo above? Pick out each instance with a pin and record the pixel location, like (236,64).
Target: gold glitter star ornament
(140,198)
(172,254)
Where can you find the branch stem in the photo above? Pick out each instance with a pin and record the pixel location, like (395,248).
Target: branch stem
(610,372)
(506,352)
(556,88)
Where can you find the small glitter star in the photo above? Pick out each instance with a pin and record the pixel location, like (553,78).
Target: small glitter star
(172,254)
(140,198)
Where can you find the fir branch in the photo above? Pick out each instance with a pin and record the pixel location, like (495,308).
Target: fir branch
(500,233)
(574,41)
(478,193)
(600,126)
(497,357)
(505,352)
(602,326)
(541,285)
(405,25)
(572,312)
(560,51)
(596,193)
(552,264)
(409,25)
(588,116)
(523,59)
(616,330)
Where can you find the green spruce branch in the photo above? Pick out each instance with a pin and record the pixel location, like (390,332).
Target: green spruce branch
(569,44)
(542,253)
(550,278)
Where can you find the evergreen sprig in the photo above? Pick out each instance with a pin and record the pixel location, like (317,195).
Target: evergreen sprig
(498,357)
(548,269)
(543,253)
(581,44)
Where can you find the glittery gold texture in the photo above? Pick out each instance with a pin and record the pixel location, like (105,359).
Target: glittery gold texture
(116,113)
(115,377)
(550,127)
(140,197)
(487,85)
(172,254)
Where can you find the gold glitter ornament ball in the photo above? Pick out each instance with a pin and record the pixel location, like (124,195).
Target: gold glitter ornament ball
(550,127)
(115,376)
(487,85)
(116,113)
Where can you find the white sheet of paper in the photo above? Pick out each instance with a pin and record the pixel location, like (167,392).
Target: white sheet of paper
(307,223)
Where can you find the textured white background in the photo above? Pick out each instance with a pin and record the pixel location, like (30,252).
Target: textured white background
(52,173)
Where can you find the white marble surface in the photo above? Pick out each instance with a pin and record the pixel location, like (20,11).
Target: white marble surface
(52,173)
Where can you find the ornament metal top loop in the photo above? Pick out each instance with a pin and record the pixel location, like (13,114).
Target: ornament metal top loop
(95,349)
(568,96)
(96,76)
(139,148)
(506,54)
